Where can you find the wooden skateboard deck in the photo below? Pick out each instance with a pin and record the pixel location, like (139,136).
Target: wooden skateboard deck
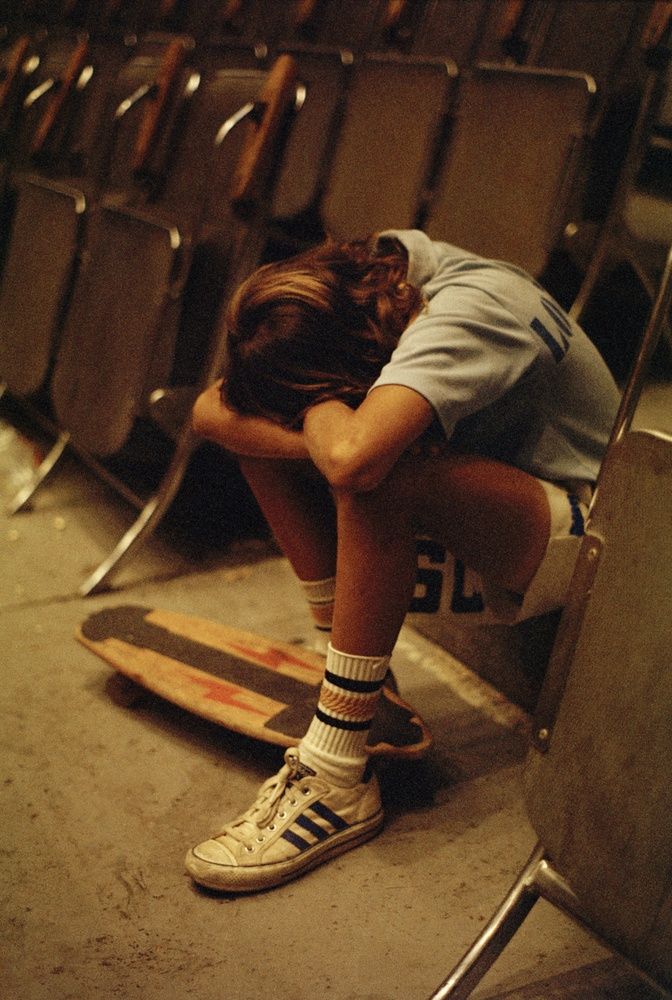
(251,685)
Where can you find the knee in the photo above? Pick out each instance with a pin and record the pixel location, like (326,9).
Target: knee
(384,508)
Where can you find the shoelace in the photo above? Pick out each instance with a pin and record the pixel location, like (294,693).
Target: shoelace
(267,805)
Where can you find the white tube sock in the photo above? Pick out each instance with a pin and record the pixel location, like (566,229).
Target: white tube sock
(335,744)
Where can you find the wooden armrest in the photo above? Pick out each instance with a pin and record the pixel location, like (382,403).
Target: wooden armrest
(509,18)
(16,59)
(305,12)
(392,14)
(657,24)
(276,96)
(60,96)
(167,77)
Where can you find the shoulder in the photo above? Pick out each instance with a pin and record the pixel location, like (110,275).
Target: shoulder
(426,257)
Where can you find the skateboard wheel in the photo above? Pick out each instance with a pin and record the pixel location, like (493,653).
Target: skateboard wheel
(125,692)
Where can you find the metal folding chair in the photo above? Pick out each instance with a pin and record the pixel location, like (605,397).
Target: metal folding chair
(597,779)
(395,114)
(160,262)
(323,74)
(638,227)
(18,63)
(57,177)
(510,162)
(593,38)
(450,28)
(236,29)
(361,153)
(344,24)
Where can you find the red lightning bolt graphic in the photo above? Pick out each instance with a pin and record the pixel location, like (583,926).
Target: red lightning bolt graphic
(227,694)
(274,659)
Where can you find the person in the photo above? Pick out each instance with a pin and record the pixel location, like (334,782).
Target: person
(374,391)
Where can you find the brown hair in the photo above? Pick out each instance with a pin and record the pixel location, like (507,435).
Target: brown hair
(318,326)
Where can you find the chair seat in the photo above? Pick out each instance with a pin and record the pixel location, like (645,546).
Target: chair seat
(98,397)
(649,219)
(511,161)
(42,252)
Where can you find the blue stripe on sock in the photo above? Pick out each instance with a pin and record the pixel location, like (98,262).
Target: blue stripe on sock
(330,720)
(347,684)
(295,840)
(324,812)
(311,827)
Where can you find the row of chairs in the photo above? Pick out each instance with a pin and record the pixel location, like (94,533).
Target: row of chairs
(427,27)
(146,178)
(141,212)
(568,34)
(602,39)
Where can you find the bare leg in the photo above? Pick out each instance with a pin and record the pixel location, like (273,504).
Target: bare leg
(299,509)
(492,516)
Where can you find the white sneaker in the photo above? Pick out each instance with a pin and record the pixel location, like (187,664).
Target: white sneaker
(298,821)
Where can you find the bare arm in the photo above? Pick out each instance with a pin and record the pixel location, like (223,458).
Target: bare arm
(242,435)
(356,449)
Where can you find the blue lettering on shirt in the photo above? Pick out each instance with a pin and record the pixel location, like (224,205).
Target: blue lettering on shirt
(557,350)
(558,346)
(556,313)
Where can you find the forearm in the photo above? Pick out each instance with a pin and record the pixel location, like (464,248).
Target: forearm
(357,449)
(244,435)
(338,447)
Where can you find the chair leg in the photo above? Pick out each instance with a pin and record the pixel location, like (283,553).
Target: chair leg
(606,246)
(147,520)
(496,935)
(44,469)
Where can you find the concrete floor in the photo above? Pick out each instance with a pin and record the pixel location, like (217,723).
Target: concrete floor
(101,801)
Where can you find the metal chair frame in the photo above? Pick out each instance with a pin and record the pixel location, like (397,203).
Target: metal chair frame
(541,878)
(615,242)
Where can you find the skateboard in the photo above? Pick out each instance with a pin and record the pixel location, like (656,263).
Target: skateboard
(252,685)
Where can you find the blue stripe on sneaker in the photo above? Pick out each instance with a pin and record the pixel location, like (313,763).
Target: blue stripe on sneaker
(324,812)
(295,840)
(317,831)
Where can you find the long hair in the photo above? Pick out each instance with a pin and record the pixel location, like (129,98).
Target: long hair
(318,326)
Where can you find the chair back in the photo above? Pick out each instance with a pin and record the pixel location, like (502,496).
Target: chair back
(505,185)
(56,174)
(395,111)
(597,781)
(145,307)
